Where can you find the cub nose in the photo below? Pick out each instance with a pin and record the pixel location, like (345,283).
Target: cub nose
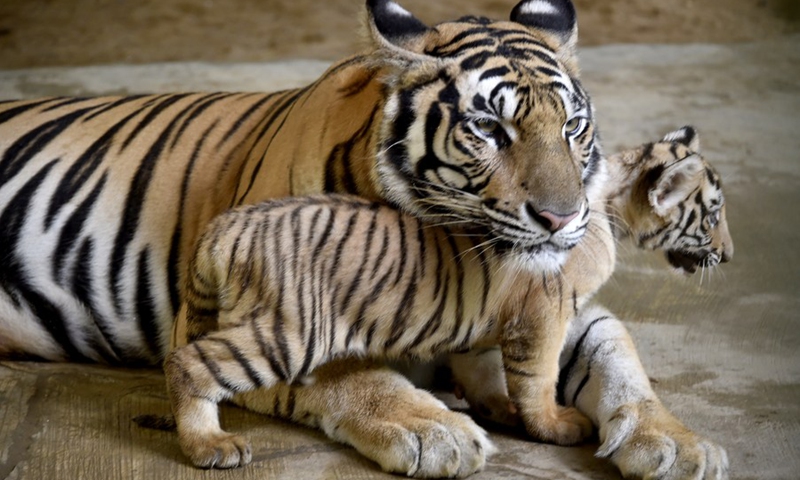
(727,254)
(549,220)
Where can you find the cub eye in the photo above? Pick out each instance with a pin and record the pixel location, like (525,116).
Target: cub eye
(487,126)
(713,219)
(574,126)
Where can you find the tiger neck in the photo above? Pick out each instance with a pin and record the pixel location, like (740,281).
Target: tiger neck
(322,140)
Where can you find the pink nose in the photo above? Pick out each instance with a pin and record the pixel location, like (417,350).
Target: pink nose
(553,221)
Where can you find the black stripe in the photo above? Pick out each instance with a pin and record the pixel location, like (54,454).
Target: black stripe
(515,371)
(113,105)
(566,371)
(582,384)
(146,314)
(135,201)
(214,369)
(406,307)
(82,286)
(494,72)
(297,234)
(339,176)
(69,101)
(9,114)
(360,316)
(200,105)
(351,290)
(274,114)
(585,379)
(277,326)
(337,256)
(32,143)
(383,249)
(240,357)
(174,260)
(266,351)
(151,115)
(243,118)
(74,226)
(451,44)
(401,235)
(82,169)
(575,301)
(13,278)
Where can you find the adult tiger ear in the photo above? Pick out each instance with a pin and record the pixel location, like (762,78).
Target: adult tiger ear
(555,22)
(394,28)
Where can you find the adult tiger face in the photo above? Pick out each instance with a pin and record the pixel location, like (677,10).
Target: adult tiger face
(485,124)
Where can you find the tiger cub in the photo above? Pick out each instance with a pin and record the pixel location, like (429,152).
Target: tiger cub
(279,288)
(665,196)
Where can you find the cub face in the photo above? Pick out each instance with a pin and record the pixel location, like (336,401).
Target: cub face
(686,206)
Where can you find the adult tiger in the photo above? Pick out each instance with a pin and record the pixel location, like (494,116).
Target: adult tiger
(101,201)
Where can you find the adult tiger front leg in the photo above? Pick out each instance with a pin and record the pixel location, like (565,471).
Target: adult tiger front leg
(376,410)
(603,377)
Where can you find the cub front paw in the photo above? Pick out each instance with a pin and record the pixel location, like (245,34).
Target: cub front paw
(646,441)
(558,425)
(219,450)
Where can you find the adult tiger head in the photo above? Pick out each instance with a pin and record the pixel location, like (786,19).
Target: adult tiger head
(486,124)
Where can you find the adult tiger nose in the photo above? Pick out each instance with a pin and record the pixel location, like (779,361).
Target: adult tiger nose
(549,220)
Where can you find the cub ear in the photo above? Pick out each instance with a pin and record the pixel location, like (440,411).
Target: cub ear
(392,26)
(675,184)
(556,19)
(686,135)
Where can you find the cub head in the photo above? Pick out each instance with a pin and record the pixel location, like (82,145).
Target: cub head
(485,124)
(681,206)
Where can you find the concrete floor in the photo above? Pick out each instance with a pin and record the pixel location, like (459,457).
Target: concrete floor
(724,353)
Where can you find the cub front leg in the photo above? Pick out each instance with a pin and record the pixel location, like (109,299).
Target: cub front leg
(531,345)
(200,375)
(603,377)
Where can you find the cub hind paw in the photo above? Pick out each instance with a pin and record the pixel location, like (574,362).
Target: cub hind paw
(561,426)
(219,450)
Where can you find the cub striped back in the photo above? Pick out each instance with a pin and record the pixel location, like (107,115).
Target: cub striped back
(326,276)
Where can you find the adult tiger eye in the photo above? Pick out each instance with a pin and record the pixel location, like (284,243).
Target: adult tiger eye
(573,125)
(487,126)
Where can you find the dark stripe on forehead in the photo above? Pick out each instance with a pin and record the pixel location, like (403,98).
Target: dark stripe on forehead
(476,61)
(495,72)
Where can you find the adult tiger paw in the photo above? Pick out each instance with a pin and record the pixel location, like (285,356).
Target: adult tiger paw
(414,434)
(644,440)
(382,415)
